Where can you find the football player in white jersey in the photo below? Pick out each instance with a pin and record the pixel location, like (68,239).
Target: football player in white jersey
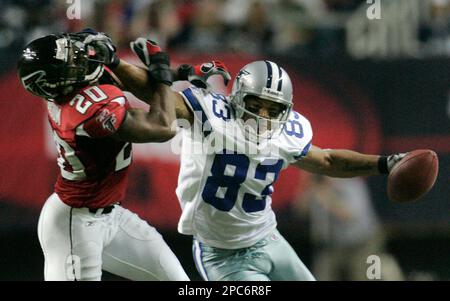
(232,153)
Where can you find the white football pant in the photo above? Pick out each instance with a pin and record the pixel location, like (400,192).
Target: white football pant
(78,244)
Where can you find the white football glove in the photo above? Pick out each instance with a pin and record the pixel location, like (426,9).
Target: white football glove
(392,160)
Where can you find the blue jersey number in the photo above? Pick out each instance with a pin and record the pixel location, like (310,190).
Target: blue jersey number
(229,171)
(250,202)
(219,108)
(219,180)
(293,127)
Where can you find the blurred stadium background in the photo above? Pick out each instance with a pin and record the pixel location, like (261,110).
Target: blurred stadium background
(376,86)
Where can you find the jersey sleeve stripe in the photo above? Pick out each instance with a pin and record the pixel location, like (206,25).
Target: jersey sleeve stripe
(197,109)
(120,100)
(80,131)
(304,151)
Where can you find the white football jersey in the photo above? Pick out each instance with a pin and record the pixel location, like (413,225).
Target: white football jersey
(225,181)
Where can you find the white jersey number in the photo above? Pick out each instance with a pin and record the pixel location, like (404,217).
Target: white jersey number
(94,93)
(71,167)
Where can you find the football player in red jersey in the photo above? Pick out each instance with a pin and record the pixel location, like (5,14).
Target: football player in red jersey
(82,227)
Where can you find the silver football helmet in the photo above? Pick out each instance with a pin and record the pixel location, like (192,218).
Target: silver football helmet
(268,81)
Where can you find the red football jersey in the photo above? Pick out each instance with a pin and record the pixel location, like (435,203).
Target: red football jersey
(93,166)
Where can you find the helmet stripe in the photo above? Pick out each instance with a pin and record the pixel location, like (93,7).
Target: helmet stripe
(280,79)
(269,75)
(275,75)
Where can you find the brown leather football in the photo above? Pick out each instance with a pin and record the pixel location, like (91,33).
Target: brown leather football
(413,176)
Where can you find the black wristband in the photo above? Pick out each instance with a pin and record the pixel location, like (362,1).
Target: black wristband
(159,70)
(115,62)
(160,73)
(382,165)
(160,58)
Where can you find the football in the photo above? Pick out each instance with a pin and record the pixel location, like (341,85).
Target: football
(413,176)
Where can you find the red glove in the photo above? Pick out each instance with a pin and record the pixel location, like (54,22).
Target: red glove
(157,61)
(199,74)
(145,49)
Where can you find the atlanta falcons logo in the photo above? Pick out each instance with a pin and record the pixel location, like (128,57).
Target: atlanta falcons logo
(35,83)
(108,120)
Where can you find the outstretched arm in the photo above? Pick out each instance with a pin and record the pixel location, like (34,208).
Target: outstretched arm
(154,86)
(339,163)
(135,79)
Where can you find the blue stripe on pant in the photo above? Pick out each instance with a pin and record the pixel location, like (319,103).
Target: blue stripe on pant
(197,253)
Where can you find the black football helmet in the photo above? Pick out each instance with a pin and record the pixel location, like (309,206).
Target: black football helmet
(57,65)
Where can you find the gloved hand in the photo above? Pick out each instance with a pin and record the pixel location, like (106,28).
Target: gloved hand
(387,163)
(394,159)
(199,74)
(103,45)
(144,49)
(157,61)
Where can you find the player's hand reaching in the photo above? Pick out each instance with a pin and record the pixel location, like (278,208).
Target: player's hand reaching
(103,45)
(394,159)
(199,74)
(145,49)
(155,59)
(387,163)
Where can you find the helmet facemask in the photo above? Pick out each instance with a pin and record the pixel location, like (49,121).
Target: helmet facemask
(73,66)
(81,68)
(259,128)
